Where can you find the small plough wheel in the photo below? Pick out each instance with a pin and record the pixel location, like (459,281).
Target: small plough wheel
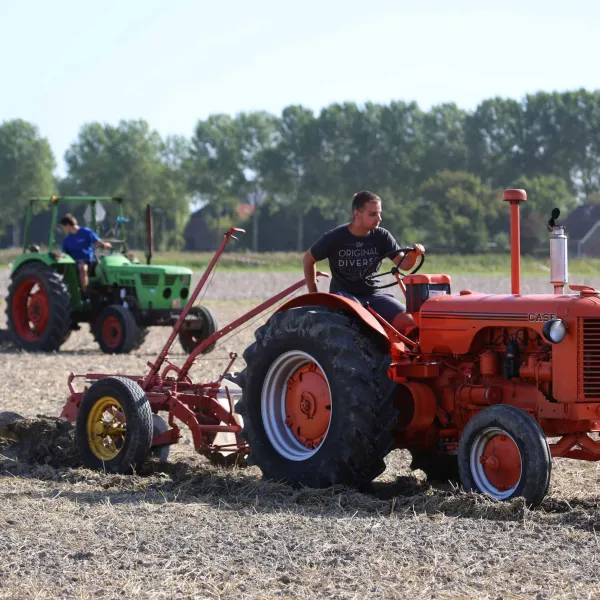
(115,330)
(194,331)
(503,453)
(317,403)
(114,427)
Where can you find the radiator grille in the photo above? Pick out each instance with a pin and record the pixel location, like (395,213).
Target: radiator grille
(149,279)
(590,358)
(170,279)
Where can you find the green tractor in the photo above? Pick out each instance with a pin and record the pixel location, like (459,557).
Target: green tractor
(44,302)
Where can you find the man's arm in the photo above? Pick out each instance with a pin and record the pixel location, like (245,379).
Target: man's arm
(310,271)
(101,244)
(407,260)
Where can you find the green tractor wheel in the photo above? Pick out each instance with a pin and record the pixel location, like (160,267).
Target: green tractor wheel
(115,330)
(195,331)
(38,308)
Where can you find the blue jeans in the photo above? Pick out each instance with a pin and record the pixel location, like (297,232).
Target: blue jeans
(385,305)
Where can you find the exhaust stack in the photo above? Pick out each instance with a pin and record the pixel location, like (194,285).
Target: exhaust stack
(515,197)
(559,262)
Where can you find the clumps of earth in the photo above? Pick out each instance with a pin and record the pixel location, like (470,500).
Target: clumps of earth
(41,440)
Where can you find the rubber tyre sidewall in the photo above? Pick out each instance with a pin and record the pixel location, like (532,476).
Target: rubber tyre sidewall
(209,326)
(59,299)
(536,462)
(128,327)
(138,418)
(347,456)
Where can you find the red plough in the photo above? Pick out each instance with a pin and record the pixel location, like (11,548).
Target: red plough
(115,424)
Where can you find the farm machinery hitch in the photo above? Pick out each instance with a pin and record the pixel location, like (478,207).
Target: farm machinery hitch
(116,416)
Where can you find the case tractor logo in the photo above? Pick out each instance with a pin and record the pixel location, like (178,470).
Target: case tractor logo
(541,317)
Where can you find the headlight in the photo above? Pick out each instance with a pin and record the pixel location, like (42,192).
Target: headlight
(554,331)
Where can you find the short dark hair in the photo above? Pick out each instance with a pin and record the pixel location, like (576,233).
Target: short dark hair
(69,219)
(361,198)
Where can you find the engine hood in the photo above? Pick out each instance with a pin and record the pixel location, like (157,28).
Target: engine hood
(451,321)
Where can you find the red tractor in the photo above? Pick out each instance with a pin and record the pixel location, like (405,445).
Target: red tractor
(330,388)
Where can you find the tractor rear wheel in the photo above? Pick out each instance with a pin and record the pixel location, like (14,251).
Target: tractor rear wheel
(195,331)
(38,308)
(114,426)
(115,330)
(503,453)
(317,403)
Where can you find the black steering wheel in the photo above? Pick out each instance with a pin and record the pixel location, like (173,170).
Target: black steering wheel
(369,275)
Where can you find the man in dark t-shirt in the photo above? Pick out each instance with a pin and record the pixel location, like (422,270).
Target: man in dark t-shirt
(351,248)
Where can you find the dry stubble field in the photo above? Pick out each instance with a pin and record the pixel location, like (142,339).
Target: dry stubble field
(191,530)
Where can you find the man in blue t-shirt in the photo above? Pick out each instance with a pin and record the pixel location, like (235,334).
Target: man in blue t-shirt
(351,248)
(80,244)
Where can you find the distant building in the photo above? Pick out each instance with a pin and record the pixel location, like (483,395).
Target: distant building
(200,237)
(583,230)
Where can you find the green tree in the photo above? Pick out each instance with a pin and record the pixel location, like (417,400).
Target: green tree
(451,212)
(26,165)
(290,167)
(444,141)
(224,165)
(130,160)
(543,194)
(562,138)
(494,135)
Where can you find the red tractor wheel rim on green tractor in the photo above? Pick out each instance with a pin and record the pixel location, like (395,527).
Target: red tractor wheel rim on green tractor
(112,332)
(30,310)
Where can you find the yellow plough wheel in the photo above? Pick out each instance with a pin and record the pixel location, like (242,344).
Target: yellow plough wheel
(114,426)
(106,428)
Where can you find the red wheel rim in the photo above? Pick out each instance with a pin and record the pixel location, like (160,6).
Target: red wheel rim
(30,310)
(112,332)
(501,462)
(308,405)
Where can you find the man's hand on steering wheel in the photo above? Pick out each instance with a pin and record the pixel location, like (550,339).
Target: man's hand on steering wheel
(370,275)
(414,253)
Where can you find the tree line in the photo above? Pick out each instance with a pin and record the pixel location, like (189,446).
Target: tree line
(440,172)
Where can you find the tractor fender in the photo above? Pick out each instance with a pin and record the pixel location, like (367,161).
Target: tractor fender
(41,257)
(335,302)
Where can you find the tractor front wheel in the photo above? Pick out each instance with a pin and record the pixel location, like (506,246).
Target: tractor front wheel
(503,453)
(38,308)
(114,426)
(115,330)
(317,403)
(194,331)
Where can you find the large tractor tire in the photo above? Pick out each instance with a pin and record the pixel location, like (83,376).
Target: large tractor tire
(114,426)
(115,330)
(317,404)
(195,331)
(38,308)
(504,453)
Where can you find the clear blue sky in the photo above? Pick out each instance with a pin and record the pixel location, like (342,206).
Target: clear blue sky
(172,62)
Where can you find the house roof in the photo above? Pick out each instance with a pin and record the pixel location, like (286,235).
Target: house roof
(581,220)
